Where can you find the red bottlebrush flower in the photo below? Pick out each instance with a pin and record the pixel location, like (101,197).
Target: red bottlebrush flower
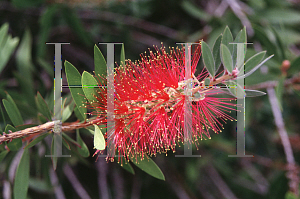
(149,105)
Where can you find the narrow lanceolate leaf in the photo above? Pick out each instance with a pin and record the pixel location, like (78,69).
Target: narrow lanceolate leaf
(254,93)
(74,81)
(255,68)
(36,140)
(208,59)
(89,86)
(216,52)
(254,61)
(125,165)
(227,39)
(43,106)
(12,111)
(22,177)
(99,141)
(3,154)
(226,58)
(53,151)
(15,144)
(83,151)
(100,63)
(149,166)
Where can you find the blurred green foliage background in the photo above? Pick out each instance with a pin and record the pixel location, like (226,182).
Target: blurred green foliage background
(26,66)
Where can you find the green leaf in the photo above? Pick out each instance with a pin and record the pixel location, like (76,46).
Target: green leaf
(100,63)
(126,165)
(37,140)
(12,111)
(53,152)
(89,86)
(2,155)
(99,141)
(83,151)
(67,111)
(208,59)
(74,79)
(254,93)
(46,22)
(25,66)
(261,35)
(216,52)
(149,166)
(66,144)
(255,68)
(22,177)
(43,106)
(226,58)
(68,138)
(227,39)
(16,143)
(7,45)
(78,114)
(254,61)
(281,47)
(235,89)
(295,66)
(3,34)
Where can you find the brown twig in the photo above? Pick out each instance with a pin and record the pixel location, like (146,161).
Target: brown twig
(47,127)
(292,169)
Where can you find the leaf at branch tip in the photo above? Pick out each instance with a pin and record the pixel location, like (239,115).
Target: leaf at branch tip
(100,63)
(226,58)
(43,106)
(83,151)
(254,61)
(254,93)
(22,177)
(149,166)
(216,52)
(36,140)
(99,141)
(12,111)
(16,143)
(74,79)
(227,39)
(208,59)
(255,68)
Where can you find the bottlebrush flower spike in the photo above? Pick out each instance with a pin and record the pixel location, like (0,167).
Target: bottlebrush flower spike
(150,103)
